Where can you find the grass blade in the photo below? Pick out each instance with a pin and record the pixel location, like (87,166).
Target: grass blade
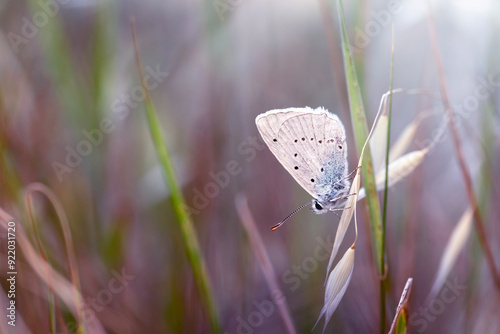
(190,240)
(383,281)
(361,135)
(398,170)
(378,142)
(478,220)
(401,317)
(68,241)
(401,323)
(456,243)
(337,284)
(62,70)
(404,140)
(345,220)
(61,287)
(263,258)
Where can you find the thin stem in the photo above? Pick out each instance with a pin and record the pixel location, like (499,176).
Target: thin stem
(68,241)
(335,59)
(263,258)
(360,128)
(188,233)
(478,221)
(384,212)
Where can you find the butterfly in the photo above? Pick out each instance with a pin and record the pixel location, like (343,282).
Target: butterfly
(311,145)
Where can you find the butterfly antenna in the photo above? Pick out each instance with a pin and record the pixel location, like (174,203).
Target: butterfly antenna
(289,216)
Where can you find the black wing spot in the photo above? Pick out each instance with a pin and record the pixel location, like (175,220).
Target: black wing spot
(303,139)
(322,169)
(340,146)
(312,138)
(275,139)
(312,180)
(295,155)
(320,141)
(296,140)
(296,167)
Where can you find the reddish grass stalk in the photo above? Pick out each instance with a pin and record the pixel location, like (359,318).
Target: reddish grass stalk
(478,221)
(68,239)
(263,258)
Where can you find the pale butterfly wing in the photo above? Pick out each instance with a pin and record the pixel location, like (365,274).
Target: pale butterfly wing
(310,144)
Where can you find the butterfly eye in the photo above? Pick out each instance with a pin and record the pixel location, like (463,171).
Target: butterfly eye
(317,206)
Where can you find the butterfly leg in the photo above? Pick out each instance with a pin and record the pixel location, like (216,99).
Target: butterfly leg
(339,209)
(342,197)
(348,176)
(352,177)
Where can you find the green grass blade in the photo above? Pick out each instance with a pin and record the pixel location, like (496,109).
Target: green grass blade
(389,117)
(62,70)
(190,240)
(383,281)
(361,134)
(401,324)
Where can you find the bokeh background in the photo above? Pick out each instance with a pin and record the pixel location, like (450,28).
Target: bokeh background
(68,66)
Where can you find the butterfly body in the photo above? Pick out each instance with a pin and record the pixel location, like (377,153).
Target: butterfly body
(311,145)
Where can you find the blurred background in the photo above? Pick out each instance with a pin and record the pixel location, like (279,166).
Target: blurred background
(72,118)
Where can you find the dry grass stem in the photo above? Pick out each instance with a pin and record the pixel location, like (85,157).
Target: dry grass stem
(479,224)
(262,257)
(403,301)
(455,245)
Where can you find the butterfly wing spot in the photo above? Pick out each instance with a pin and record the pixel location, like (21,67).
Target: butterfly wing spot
(340,147)
(283,130)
